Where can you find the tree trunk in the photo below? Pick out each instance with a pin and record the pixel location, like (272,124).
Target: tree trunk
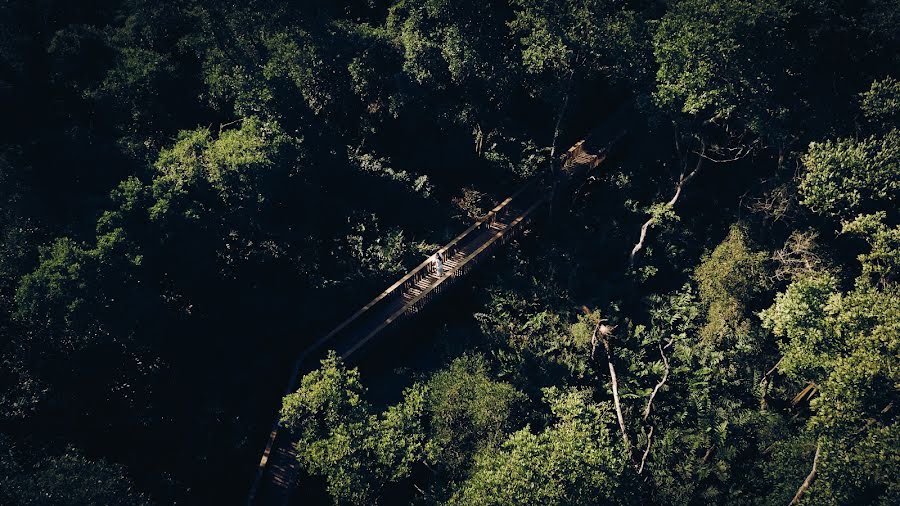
(479,140)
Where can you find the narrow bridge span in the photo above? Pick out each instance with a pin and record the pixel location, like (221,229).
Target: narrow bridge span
(278,468)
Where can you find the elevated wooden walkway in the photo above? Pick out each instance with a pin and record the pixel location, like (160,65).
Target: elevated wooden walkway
(278,468)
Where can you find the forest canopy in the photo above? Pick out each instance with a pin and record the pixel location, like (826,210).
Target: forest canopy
(193,192)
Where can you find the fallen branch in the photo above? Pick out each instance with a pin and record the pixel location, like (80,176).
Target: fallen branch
(809,479)
(658,385)
(646,451)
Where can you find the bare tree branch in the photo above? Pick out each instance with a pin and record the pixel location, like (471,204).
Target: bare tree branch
(770,371)
(615,383)
(809,479)
(798,256)
(662,381)
(646,451)
(683,180)
(740,152)
(223,126)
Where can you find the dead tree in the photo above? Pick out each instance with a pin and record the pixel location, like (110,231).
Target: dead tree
(602,333)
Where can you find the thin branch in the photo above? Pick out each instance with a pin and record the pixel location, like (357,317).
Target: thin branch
(809,479)
(562,113)
(646,451)
(770,371)
(742,152)
(723,160)
(223,126)
(553,161)
(682,181)
(662,381)
(764,383)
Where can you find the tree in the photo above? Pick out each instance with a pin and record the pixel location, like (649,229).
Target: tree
(844,348)
(574,461)
(856,181)
(848,177)
(357,452)
(718,62)
(718,80)
(728,279)
(882,263)
(533,334)
(881,103)
(468,412)
(580,39)
(461,53)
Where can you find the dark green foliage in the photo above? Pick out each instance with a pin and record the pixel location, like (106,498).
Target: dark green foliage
(67,479)
(469,412)
(358,453)
(727,281)
(192,192)
(720,60)
(848,177)
(571,462)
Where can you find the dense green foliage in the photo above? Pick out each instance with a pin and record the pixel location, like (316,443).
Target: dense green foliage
(192,192)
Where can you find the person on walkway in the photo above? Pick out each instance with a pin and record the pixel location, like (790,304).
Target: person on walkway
(439,263)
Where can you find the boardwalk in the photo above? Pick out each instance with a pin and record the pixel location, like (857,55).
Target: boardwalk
(278,467)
